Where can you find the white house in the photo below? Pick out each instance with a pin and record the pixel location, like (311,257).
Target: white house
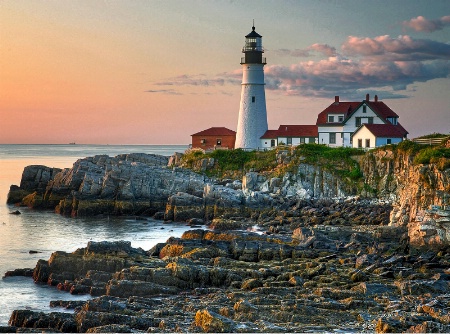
(374,135)
(337,123)
(290,135)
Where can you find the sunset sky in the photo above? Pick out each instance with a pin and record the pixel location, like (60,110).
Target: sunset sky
(155,72)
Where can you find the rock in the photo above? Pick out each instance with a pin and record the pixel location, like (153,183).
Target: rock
(124,288)
(211,322)
(251,284)
(27,272)
(245,307)
(17,212)
(110,329)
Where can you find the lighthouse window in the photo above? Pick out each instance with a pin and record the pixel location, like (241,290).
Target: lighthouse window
(253,99)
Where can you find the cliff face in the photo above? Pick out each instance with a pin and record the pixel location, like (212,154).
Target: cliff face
(125,184)
(420,194)
(140,184)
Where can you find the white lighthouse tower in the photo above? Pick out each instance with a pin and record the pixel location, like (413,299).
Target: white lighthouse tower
(252,122)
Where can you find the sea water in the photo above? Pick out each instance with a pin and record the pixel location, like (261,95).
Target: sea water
(46,232)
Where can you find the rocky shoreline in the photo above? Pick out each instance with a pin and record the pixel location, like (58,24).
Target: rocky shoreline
(322,278)
(325,256)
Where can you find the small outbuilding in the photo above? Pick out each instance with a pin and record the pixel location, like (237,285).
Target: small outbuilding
(214,138)
(375,135)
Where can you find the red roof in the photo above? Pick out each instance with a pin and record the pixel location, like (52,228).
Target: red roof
(381,109)
(292,131)
(269,134)
(347,108)
(384,130)
(216,131)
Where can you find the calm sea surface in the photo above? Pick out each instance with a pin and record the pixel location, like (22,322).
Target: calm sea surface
(47,232)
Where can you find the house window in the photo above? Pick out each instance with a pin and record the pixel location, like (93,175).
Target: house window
(341,119)
(332,138)
(218,142)
(389,141)
(302,140)
(367,142)
(359,143)
(358,121)
(253,99)
(364,109)
(370,120)
(272,142)
(330,119)
(203,141)
(312,140)
(289,140)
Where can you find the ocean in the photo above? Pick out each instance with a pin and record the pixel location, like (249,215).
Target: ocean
(46,232)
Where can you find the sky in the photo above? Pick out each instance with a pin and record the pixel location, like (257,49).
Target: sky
(155,72)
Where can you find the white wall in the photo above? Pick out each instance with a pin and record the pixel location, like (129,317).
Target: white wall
(324,135)
(265,143)
(364,134)
(252,120)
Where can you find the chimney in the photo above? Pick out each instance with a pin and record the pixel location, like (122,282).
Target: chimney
(376,98)
(367,97)
(336,99)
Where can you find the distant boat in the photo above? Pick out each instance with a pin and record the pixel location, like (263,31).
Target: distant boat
(72,143)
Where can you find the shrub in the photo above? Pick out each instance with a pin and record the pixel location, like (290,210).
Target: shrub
(432,155)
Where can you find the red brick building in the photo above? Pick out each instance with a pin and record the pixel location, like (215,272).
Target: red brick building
(214,138)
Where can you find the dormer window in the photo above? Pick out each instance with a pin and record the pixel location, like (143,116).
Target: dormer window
(393,120)
(330,119)
(340,119)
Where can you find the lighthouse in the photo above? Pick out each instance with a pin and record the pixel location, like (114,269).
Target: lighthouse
(252,121)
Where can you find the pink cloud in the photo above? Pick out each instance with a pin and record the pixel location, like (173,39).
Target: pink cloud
(420,23)
(365,63)
(404,47)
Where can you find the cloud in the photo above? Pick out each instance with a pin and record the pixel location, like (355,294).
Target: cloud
(201,80)
(381,64)
(163,91)
(402,48)
(339,75)
(324,49)
(420,23)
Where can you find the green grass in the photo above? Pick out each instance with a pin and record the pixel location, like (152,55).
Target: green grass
(235,163)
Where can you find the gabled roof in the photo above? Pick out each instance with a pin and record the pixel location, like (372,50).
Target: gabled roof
(348,108)
(381,109)
(292,131)
(216,131)
(345,108)
(384,130)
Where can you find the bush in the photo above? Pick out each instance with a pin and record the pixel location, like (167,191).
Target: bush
(432,155)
